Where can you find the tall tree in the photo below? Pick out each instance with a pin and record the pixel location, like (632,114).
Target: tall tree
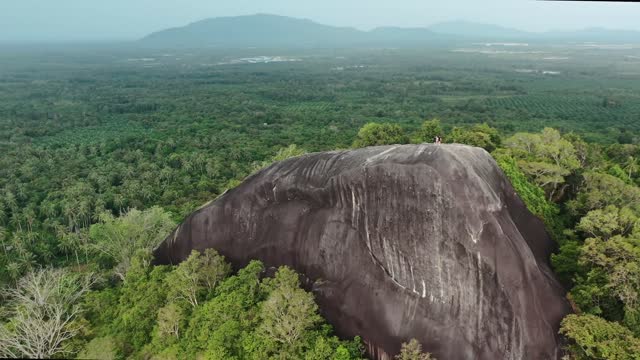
(428,131)
(631,166)
(43,307)
(373,134)
(546,157)
(170,318)
(599,190)
(413,351)
(119,238)
(595,338)
(197,273)
(481,135)
(288,312)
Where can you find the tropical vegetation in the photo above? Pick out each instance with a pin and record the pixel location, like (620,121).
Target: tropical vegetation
(103,152)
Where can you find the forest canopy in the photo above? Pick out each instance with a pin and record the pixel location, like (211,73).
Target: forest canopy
(116,302)
(103,154)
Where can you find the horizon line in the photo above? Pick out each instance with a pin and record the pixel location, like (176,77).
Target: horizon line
(133,38)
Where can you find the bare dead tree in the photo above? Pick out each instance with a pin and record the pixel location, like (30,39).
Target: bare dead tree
(42,308)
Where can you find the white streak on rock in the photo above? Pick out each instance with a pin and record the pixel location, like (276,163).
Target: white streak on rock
(480,293)
(354,206)
(413,283)
(381,155)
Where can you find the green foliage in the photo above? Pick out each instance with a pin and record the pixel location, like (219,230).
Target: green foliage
(100,348)
(198,275)
(84,136)
(604,223)
(143,294)
(546,158)
(282,154)
(631,168)
(632,320)
(234,307)
(287,314)
(590,295)
(373,134)
(565,262)
(600,190)
(288,152)
(170,322)
(239,316)
(427,132)
(619,257)
(413,351)
(102,308)
(595,338)
(119,238)
(607,283)
(617,171)
(481,135)
(532,195)
(330,347)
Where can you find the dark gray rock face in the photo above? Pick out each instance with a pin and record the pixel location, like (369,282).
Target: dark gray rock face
(410,241)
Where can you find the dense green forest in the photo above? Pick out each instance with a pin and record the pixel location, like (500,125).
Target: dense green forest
(103,152)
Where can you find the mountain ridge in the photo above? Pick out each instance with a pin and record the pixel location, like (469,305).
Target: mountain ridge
(267,30)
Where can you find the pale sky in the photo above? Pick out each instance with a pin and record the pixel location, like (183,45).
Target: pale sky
(86,20)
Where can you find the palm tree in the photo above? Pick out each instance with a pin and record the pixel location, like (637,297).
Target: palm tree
(13,270)
(84,211)
(48,209)
(27,261)
(631,166)
(70,213)
(69,243)
(16,221)
(3,236)
(30,217)
(11,201)
(119,201)
(22,191)
(3,215)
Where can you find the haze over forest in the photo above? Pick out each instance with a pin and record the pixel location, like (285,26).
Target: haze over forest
(92,20)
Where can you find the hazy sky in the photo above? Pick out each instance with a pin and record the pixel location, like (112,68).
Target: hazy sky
(74,20)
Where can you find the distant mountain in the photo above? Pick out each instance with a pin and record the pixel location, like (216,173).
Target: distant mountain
(475,30)
(402,34)
(256,30)
(265,31)
(599,35)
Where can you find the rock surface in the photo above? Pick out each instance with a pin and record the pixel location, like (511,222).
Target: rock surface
(409,241)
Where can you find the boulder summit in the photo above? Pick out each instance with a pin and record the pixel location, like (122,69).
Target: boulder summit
(398,242)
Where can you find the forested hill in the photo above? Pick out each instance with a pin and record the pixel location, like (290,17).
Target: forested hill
(253,30)
(263,30)
(470,30)
(269,31)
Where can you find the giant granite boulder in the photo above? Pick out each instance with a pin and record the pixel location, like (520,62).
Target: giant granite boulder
(409,241)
